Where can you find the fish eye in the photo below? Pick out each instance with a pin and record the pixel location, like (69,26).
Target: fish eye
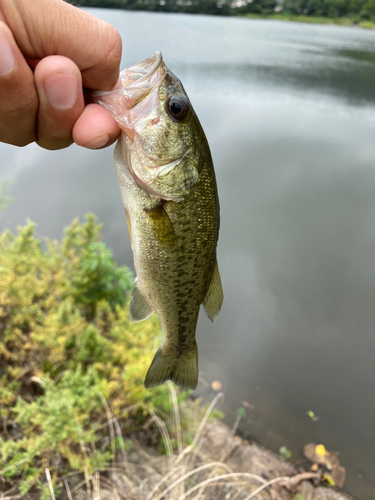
(177,107)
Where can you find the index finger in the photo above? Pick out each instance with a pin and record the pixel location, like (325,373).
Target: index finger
(49,27)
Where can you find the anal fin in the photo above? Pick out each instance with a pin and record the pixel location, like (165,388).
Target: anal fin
(139,308)
(214,297)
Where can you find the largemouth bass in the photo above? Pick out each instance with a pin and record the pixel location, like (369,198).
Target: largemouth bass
(168,187)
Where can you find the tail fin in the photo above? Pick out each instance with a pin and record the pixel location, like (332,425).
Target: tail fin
(182,370)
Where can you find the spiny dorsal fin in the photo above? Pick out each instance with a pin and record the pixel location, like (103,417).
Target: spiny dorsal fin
(214,296)
(139,308)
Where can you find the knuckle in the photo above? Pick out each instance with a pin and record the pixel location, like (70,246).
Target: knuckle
(18,119)
(103,61)
(52,144)
(115,52)
(27,105)
(24,141)
(52,136)
(111,58)
(19,140)
(19,102)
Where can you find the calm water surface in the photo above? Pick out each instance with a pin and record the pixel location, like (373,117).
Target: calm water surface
(289,111)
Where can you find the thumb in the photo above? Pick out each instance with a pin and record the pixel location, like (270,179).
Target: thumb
(54,27)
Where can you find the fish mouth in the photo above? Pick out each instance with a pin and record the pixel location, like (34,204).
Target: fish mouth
(137,82)
(143,75)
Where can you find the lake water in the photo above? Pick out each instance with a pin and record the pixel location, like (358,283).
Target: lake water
(289,111)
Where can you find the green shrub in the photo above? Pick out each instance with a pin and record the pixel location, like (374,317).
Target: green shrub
(66,346)
(5,200)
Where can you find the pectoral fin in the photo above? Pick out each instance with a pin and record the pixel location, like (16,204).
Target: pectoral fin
(162,226)
(214,296)
(139,308)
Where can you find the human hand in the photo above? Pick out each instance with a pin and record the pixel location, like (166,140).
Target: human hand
(68,49)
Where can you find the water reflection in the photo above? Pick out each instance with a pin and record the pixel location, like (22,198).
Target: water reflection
(288,111)
(346,83)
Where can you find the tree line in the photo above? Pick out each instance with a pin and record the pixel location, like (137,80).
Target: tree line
(356,9)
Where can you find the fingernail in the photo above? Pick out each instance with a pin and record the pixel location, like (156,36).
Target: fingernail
(99,142)
(7,61)
(62,90)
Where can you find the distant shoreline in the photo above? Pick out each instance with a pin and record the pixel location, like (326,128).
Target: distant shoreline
(354,22)
(338,21)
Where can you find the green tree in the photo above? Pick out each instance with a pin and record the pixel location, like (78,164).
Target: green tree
(258,7)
